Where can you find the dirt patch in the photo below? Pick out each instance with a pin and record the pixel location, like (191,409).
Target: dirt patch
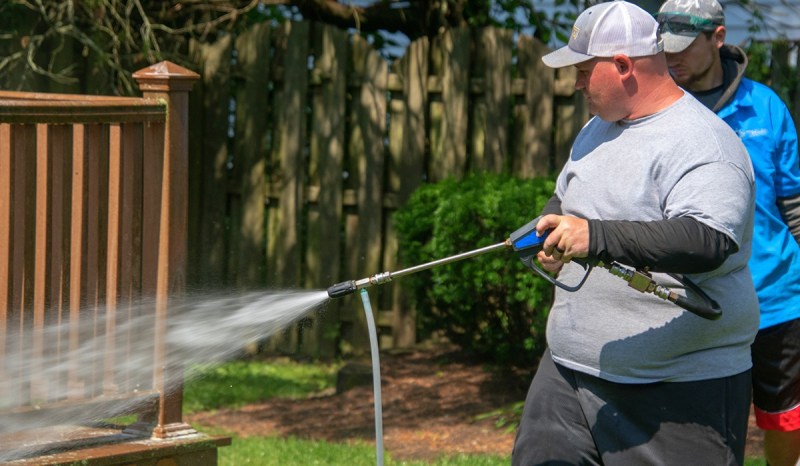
(434,403)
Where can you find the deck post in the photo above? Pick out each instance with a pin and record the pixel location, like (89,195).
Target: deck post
(170,83)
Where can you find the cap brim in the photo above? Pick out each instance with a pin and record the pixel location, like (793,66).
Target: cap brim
(564,56)
(676,43)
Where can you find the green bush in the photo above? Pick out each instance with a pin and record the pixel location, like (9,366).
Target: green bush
(491,304)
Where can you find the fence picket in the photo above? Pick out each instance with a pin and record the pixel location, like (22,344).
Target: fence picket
(406,161)
(43,203)
(284,240)
(534,114)
(77,269)
(6,190)
(248,211)
(287,169)
(495,53)
(450,116)
(367,122)
(208,242)
(326,150)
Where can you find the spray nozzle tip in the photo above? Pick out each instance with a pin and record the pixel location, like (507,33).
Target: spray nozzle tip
(342,289)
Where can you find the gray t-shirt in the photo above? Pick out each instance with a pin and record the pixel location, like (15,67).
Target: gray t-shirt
(681,161)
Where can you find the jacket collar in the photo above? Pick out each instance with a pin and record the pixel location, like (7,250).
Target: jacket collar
(734,61)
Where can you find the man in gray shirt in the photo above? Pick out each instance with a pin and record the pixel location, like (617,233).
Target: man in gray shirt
(655,181)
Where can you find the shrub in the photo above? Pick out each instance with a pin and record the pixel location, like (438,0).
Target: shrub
(491,304)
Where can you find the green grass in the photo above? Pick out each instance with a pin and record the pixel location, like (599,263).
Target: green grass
(237,383)
(506,418)
(273,451)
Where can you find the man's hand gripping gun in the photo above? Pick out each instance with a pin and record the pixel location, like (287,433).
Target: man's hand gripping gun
(527,243)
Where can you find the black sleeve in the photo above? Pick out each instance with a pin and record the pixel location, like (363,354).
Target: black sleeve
(790,211)
(553,206)
(677,245)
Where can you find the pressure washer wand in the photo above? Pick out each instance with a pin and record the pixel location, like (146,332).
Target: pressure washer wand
(527,242)
(345,288)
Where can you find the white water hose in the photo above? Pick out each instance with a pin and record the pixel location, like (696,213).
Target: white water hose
(376,377)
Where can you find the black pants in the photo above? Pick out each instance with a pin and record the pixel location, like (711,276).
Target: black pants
(571,418)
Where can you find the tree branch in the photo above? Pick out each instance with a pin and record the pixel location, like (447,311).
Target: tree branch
(414,18)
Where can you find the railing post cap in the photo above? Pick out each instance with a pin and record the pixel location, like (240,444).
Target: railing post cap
(165,76)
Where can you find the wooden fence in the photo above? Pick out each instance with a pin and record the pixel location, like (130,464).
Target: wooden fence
(93,215)
(306,141)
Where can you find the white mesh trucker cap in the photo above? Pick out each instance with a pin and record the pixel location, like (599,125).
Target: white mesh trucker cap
(605,30)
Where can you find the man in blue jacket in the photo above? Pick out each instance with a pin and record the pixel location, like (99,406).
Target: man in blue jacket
(694,34)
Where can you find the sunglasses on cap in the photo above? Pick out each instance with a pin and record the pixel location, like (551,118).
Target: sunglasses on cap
(684,25)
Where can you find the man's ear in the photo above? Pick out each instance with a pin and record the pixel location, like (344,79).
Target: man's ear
(719,36)
(624,65)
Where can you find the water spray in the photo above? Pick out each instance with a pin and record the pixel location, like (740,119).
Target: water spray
(200,330)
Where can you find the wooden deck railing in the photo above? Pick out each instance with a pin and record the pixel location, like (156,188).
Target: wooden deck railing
(93,216)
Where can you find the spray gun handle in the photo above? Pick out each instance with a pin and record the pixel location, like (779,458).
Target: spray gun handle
(527,243)
(526,239)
